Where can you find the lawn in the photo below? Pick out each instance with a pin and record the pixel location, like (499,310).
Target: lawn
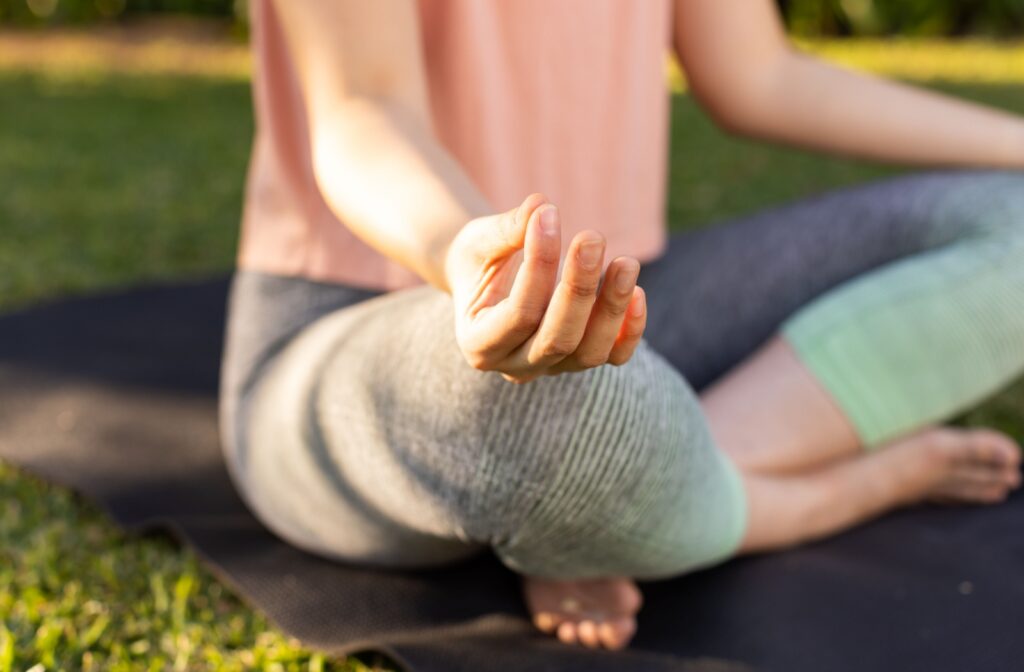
(112,177)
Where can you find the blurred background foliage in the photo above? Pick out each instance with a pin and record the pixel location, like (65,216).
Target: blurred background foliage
(829,18)
(63,12)
(931,18)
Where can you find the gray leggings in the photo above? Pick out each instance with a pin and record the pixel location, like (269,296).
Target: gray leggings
(355,430)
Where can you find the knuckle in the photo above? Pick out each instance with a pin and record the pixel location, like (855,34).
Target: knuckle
(546,257)
(580,288)
(634,332)
(619,358)
(615,307)
(525,319)
(479,361)
(591,360)
(558,348)
(633,328)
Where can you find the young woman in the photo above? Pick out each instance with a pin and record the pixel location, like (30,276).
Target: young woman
(509,402)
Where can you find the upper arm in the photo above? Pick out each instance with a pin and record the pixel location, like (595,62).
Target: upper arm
(354,49)
(729,50)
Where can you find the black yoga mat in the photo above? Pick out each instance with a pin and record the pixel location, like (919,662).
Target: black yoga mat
(115,396)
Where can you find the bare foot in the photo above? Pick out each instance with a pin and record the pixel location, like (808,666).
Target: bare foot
(593,612)
(950,465)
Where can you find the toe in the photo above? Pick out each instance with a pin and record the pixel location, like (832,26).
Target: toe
(546,621)
(567,632)
(1012,479)
(587,634)
(593,612)
(992,494)
(615,634)
(994,448)
(978,493)
(609,635)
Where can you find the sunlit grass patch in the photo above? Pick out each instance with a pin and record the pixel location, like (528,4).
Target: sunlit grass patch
(78,594)
(181,47)
(961,61)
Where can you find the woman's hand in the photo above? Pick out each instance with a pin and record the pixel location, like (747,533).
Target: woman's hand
(514,315)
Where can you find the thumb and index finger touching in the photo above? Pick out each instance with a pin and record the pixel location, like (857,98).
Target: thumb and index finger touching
(535,228)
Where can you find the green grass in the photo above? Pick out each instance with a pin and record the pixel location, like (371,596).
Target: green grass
(108,180)
(114,180)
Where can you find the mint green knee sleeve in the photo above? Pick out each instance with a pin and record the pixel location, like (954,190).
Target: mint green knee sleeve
(927,337)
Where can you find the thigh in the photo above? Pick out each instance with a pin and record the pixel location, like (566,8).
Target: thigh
(327,461)
(719,293)
(265,312)
(370,439)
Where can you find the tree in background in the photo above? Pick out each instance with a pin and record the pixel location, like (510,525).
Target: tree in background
(54,12)
(955,18)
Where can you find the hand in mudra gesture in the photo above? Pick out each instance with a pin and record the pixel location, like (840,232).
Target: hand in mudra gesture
(515,315)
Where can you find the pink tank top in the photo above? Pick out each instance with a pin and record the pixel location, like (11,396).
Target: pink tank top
(564,97)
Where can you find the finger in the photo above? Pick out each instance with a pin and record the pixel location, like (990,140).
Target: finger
(505,325)
(632,329)
(515,320)
(543,248)
(606,318)
(565,320)
(505,233)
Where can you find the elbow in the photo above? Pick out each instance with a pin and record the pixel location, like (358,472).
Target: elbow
(747,101)
(733,98)
(740,116)
(736,120)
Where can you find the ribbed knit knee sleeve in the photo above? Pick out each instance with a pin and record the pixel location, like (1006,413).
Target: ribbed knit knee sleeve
(608,472)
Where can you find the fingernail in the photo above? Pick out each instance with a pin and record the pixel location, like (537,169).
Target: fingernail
(590,255)
(549,220)
(626,278)
(636,309)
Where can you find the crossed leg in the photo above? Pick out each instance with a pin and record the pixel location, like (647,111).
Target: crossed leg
(802,456)
(805,476)
(806,473)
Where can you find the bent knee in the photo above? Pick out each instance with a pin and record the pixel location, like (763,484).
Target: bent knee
(628,483)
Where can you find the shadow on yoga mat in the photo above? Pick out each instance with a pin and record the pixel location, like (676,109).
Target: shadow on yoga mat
(115,396)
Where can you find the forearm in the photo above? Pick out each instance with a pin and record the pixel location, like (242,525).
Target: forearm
(375,157)
(812,104)
(392,183)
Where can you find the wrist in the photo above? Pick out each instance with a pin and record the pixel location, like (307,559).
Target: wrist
(437,265)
